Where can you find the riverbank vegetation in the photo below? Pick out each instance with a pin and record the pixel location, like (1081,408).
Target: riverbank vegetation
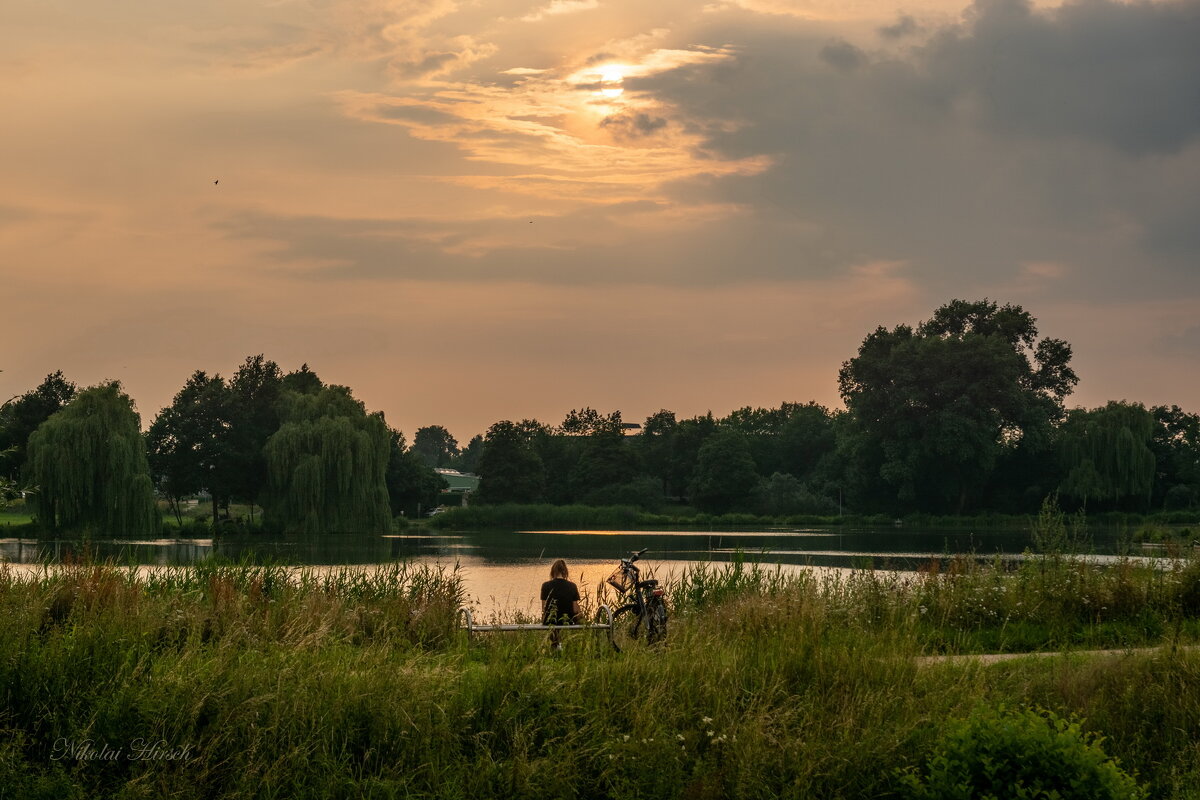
(1178,527)
(252,682)
(963,415)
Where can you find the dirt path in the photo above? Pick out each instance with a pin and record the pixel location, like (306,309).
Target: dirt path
(993,658)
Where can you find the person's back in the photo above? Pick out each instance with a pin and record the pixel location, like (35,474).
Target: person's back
(560,601)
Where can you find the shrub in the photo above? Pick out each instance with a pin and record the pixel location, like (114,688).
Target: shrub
(1026,754)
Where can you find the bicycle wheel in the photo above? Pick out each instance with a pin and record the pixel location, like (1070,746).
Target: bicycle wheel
(627,627)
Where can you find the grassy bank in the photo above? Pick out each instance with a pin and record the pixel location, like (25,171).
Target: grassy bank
(266,682)
(577,517)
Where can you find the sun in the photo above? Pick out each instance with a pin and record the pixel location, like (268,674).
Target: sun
(610,81)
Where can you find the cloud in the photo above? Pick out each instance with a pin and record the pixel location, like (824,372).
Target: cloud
(613,243)
(586,128)
(931,156)
(1123,74)
(427,62)
(843,56)
(634,125)
(559,8)
(905,25)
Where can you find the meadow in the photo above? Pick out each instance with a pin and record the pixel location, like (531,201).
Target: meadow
(241,681)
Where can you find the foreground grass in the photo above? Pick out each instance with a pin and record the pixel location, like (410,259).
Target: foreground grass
(268,682)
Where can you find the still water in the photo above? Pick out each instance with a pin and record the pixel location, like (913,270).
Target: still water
(504,570)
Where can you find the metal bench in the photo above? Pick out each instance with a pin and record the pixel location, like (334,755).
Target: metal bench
(603,623)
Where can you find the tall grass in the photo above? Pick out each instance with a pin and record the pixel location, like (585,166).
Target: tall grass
(277,682)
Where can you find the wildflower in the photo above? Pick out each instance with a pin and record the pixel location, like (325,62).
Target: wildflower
(706,720)
(679,736)
(626,738)
(710,733)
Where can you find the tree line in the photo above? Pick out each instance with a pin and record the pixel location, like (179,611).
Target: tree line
(963,413)
(309,454)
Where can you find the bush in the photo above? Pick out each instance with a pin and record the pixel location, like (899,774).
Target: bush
(1026,754)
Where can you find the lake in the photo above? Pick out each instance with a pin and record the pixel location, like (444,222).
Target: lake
(504,570)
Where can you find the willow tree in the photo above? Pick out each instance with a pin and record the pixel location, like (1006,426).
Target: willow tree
(88,466)
(1106,455)
(327,466)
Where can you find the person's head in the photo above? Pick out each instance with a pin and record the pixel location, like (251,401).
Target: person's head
(558,569)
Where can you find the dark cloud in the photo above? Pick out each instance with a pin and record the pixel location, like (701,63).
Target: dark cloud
(905,25)
(843,56)
(1125,74)
(633,125)
(933,155)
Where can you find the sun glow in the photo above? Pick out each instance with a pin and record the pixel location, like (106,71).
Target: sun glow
(611,78)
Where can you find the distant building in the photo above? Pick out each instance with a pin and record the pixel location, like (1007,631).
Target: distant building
(459,482)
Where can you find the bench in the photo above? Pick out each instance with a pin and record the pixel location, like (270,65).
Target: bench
(603,623)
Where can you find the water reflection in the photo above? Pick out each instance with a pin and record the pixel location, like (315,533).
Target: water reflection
(505,569)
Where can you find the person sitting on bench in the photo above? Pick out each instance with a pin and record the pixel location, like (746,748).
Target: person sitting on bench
(560,601)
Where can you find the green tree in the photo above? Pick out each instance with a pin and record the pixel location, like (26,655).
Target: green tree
(302,381)
(327,466)
(510,469)
(1176,446)
(792,438)
(934,409)
(253,413)
(687,439)
(806,439)
(785,494)
(657,443)
(600,458)
(88,465)
(412,485)
(725,475)
(434,445)
(467,459)
(187,441)
(1106,455)
(21,416)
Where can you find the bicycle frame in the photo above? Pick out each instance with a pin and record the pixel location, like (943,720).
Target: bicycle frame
(644,600)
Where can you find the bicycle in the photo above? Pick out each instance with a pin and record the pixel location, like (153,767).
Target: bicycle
(642,605)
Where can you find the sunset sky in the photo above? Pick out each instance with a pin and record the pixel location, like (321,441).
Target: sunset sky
(470,211)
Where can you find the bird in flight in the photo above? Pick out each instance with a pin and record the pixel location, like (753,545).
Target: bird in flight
(218,180)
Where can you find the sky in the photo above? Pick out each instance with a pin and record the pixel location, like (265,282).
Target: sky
(473,210)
